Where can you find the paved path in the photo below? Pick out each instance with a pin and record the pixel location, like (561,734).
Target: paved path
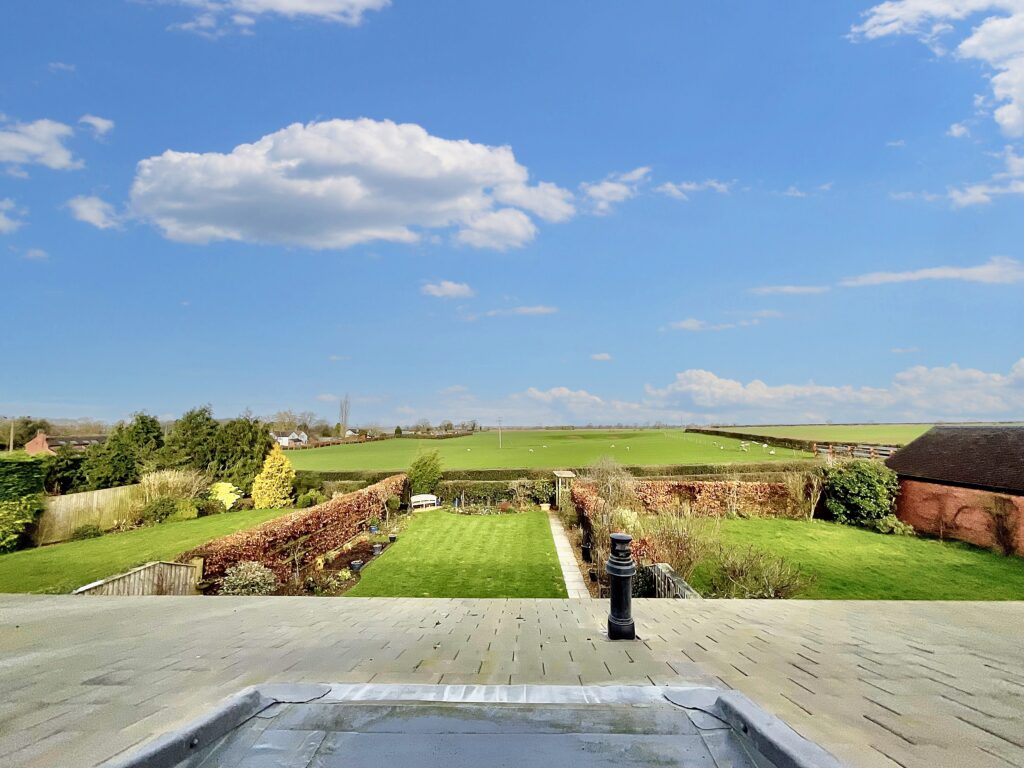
(882,685)
(574,584)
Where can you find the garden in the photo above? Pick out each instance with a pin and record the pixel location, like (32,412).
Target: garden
(766,539)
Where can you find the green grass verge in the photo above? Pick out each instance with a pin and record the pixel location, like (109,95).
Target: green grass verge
(540,449)
(855,564)
(442,554)
(65,567)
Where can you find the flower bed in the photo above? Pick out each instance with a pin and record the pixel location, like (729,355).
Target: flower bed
(292,541)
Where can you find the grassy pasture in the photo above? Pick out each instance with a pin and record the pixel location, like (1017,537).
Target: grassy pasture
(540,449)
(886,434)
(442,554)
(65,567)
(854,564)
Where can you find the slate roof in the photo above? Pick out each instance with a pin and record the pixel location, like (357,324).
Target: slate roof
(989,458)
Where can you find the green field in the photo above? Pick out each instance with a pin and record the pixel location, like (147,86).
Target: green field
(442,554)
(65,567)
(885,434)
(853,564)
(540,449)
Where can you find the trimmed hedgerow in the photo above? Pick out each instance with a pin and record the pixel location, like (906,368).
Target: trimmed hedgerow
(16,516)
(287,543)
(21,476)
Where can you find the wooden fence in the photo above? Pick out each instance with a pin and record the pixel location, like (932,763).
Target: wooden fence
(159,578)
(63,514)
(862,451)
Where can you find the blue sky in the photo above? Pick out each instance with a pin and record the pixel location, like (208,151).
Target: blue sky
(565,212)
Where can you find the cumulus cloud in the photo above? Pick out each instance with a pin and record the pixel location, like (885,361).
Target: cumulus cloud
(694,325)
(215,18)
(601,357)
(337,183)
(8,224)
(616,188)
(446,289)
(1009,181)
(918,393)
(101,126)
(40,142)
(683,190)
(997,40)
(996,270)
(93,210)
(958,131)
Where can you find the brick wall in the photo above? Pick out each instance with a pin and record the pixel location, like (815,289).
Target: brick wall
(959,513)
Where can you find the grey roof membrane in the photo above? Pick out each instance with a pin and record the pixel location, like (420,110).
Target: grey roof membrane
(309,726)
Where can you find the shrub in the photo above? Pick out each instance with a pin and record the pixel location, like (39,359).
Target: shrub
(310,499)
(425,473)
(225,493)
(860,492)
(340,487)
(20,476)
(16,516)
(87,531)
(64,471)
(174,484)
(190,442)
(681,541)
(244,504)
(239,449)
(753,574)
(248,578)
(398,431)
(158,510)
(615,486)
(207,507)
(120,459)
(892,524)
(273,486)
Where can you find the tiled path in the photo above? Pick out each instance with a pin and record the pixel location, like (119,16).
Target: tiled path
(574,584)
(918,685)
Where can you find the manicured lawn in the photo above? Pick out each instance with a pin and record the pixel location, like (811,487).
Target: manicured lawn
(442,554)
(887,434)
(540,449)
(854,564)
(65,567)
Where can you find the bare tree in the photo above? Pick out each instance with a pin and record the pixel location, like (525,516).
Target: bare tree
(343,407)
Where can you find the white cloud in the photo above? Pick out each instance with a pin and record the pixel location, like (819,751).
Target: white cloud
(958,131)
(918,393)
(337,183)
(928,197)
(338,358)
(244,13)
(694,325)
(454,389)
(684,189)
(446,289)
(617,187)
(1009,181)
(999,270)
(7,223)
(60,66)
(548,201)
(793,191)
(101,126)
(500,230)
(904,350)
(789,290)
(35,254)
(95,211)
(601,357)
(327,397)
(40,142)
(896,143)
(997,41)
(539,309)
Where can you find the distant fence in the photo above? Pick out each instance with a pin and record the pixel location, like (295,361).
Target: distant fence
(862,451)
(159,578)
(63,514)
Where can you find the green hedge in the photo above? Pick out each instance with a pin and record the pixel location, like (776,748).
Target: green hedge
(492,491)
(21,476)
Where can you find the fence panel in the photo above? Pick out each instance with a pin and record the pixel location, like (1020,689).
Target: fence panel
(63,514)
(159,578)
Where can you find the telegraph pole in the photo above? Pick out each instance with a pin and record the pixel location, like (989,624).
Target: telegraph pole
(499,433)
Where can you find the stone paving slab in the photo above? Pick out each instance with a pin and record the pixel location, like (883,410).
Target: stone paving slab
(575,586)
(879,684)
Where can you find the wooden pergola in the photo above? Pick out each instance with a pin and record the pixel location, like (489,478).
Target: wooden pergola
(563,482)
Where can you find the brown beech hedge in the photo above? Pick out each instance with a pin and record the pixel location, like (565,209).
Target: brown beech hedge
(302,536)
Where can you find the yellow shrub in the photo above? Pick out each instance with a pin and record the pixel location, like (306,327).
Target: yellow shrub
(273,486)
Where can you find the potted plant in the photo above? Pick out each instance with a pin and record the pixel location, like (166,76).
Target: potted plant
(392,537)
(377,549)
(545,507)
(356,566)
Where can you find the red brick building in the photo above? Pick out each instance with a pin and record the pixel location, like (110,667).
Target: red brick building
(965,483)
(44,443)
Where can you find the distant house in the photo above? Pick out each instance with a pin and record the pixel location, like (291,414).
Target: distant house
(965,483)
(48,444)
(290,439)
(351,433)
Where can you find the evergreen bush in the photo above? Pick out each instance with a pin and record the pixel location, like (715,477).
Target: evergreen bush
(272,487)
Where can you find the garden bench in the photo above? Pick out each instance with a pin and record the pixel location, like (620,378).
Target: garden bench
(424,501)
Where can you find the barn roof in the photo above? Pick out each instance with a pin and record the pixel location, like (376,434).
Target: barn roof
(991,458)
